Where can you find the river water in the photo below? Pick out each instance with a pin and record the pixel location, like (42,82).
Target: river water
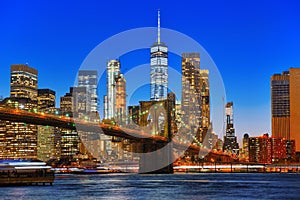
(174,186)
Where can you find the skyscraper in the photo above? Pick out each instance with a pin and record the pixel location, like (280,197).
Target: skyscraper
(48,137)
(191,90)
(18,139)
(23,81)
(120,99)
(285,92)
(230,141)
(113,71)
(205,98)
(89,79)
(159,68)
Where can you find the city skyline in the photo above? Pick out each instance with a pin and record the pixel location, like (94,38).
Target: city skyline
(43,52)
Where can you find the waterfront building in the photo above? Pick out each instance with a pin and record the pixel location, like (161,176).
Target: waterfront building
(158,68)
(265,149)
(18,139)
(48,137)
(230,140)
(48,143)
(89,79)
(285,92)
(70,143)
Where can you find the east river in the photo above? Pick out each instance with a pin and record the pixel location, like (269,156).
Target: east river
(174,186)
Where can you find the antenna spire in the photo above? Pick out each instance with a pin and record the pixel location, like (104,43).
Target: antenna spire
(158,26)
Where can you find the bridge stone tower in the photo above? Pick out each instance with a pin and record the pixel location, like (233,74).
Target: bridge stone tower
(158,119)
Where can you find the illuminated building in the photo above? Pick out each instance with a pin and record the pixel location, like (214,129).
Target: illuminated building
(158,68)
(113,71)
(285,92)
(230,141)
(48,138)
(66,104)
(245,149)
(74,103)
(191,92)
(49,143)
(89,79)
(205,98)
(17,139)
(69,143)
(265,149)
(23,81)
(46,100)
(120,99)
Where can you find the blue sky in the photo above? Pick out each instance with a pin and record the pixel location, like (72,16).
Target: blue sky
(248,40)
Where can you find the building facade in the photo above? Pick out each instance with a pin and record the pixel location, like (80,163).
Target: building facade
(23,81)
(113,71)
(66,104)
(46,100)
(267,150)
(205,98)
(120,100)
(285,92)
(191,111)
(230,141)
(89,79)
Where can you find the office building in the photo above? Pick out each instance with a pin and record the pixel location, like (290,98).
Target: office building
(89,79)
(191,103)
(285,92)
(23,81)
(245,149)
(158,68)
(46,100)
(205,98)
(267,150)
(18,139)
(113,71)
(120,113)
(48,143)
(230,140)
(66,103)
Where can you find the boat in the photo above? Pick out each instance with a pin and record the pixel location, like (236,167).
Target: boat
(25,172)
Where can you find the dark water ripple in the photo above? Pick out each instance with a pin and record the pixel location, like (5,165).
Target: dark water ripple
(176,186)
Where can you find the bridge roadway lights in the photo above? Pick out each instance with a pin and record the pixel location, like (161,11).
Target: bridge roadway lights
(155,157)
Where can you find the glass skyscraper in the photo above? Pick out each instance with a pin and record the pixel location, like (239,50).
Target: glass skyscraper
(113,71)
(89,79)
(159,68)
